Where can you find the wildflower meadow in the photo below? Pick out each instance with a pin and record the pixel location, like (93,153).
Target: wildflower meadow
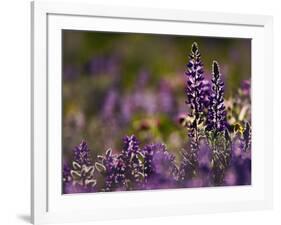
(146,112)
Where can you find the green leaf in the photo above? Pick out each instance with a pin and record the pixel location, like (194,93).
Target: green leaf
(141,175)
(75,175)
(108,152)
(91,182)
(141,157)
(132,157)
(89,170)
(76,166)
(100,157)
(100,167)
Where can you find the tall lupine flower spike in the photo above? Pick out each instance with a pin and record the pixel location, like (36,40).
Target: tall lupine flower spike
(82,154)
(216,119)
(216,128)
(196,91)
(195,75)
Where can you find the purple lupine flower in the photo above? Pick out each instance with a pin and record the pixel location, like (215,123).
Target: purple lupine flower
(163,161)
(130,157)
(113,170)
(216,119)
(188,166)
(106,167)
(195,75)
(196,96)
(159,166)
(82,154)
(204,159)
(240,164)
(196,92)
(202,178)
(80,177)
(130,146)
(120,176)
(206,91)
(148,165)
(121,172)
(216,128)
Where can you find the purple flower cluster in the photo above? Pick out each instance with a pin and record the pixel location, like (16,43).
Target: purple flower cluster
(134,168)
(218,152)
(81,154)
(160,170)
(79,177)
(130,156)
(113,170)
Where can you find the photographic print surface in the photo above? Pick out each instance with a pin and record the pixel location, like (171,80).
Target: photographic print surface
(148,111)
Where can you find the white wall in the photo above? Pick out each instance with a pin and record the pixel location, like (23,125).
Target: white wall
(15,108)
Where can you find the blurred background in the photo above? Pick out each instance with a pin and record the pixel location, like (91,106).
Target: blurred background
(117,84)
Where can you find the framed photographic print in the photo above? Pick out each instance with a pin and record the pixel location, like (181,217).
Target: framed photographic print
(148,112)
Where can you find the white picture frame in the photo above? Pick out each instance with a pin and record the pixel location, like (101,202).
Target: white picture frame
(48,204)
